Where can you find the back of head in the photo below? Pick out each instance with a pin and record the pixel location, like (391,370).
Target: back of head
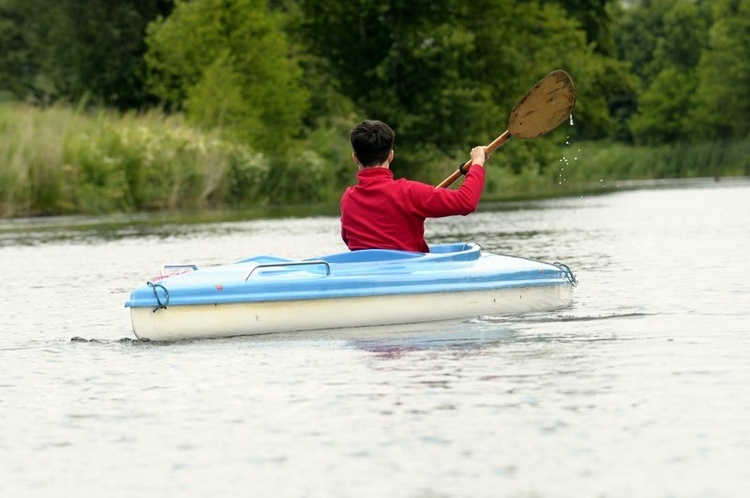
(372,141)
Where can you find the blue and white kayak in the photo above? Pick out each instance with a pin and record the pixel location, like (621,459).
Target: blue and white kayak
(268,294)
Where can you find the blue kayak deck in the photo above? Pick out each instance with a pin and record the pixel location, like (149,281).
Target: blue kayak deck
(457,267)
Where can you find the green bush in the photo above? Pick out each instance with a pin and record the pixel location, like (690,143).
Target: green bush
(59,161)
(33,179)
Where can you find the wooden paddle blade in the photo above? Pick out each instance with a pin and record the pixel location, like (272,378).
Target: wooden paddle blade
(544,107)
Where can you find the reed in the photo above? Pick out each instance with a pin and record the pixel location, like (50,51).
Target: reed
(58,160)
(31,168)
(620,162)
(593,166)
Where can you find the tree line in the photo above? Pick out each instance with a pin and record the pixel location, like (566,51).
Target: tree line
(279,75)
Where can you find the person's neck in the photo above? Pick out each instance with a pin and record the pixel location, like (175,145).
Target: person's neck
(385,165)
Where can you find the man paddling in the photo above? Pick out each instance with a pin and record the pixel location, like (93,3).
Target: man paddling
(380,212)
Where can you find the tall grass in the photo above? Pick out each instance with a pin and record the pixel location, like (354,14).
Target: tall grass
(59,161)
(612,162)
(31,151)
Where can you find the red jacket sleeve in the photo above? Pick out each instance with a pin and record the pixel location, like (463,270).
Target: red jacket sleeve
(431,202)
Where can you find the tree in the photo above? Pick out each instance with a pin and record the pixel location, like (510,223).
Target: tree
(594,18)
(227,63)
(664,107)
(14,78)
(637,31)
(77,49)
(445,73)
(722,109)
(403,62)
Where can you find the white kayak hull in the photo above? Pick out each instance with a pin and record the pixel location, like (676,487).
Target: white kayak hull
(236,319)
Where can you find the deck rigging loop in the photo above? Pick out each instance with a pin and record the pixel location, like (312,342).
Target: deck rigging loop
(156,295)
(568,273)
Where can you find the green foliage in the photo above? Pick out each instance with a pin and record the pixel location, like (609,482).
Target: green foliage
(663,117)
(15,54)
(33,177)
(217,101)
(608,163)
(601,86)
(227,63)
(155,162)
(638,31)
(723,108)
(57,161)
(691,58)
(442,73)
(666,104)
(270,90)
(107,162)
(76,50)
(402,63)
(685,29)
(330,141)
(594,16)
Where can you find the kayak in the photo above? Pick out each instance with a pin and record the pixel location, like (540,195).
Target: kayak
(374,287)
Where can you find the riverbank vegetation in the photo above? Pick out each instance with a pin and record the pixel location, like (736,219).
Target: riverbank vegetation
(233,104)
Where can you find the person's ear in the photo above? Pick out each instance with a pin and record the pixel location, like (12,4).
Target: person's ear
(356,161)
(391,156)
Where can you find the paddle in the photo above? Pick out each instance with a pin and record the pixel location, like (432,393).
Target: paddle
(542,109)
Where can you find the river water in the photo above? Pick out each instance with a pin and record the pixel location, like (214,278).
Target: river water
(640,389)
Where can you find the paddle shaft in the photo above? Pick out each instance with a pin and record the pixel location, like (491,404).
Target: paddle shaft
(489,149)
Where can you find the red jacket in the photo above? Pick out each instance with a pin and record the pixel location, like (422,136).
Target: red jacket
(382,213)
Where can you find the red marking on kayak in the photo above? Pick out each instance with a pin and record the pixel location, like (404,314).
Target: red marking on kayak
(171,274)
(219,287)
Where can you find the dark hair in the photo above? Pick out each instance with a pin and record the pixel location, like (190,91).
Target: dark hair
(372,141)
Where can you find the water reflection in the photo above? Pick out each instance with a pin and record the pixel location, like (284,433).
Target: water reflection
(471,337)
(81,229)
(384,341)
(34,231)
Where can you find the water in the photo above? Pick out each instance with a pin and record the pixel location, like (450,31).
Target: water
(639,389)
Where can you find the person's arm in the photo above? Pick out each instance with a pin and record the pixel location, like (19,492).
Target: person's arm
(431,202)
